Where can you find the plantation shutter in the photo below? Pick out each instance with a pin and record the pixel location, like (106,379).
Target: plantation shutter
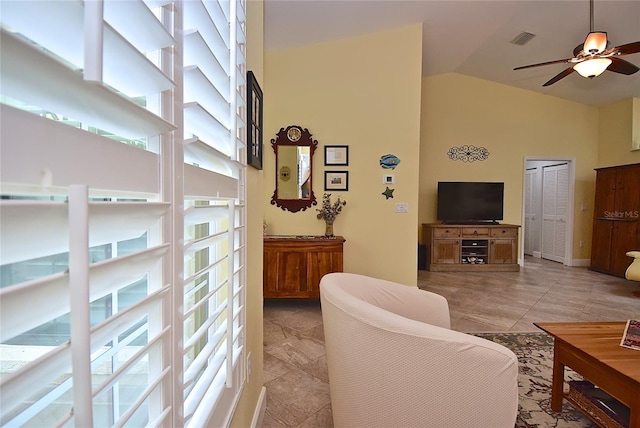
(215,218)
(122,214)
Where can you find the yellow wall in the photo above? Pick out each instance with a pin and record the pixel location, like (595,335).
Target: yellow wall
(254,340)
(617,133)
(511,124)
(635,134)
(363,92)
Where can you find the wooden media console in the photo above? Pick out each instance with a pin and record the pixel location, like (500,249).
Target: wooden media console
(460,247)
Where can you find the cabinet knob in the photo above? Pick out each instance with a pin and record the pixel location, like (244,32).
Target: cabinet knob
(475,232)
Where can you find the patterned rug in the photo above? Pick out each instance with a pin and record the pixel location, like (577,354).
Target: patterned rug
(535,361)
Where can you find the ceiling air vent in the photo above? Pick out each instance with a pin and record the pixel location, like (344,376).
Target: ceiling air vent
(522,38)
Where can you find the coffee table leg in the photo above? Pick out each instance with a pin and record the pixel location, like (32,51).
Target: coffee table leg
(635,409)
(557,382)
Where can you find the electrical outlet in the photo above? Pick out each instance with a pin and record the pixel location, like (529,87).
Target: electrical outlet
(402,207)
(248,367)
(581,244)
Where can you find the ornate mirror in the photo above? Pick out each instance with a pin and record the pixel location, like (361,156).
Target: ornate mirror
(294,149)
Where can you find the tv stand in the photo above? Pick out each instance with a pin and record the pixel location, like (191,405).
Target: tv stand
(470,222)
(471,247)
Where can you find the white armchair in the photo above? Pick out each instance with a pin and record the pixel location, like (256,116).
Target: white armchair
(394,362)
(633,271)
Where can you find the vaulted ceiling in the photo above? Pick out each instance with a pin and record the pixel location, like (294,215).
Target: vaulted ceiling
(474,37)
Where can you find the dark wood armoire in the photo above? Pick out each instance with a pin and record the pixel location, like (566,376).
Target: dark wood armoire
(616,221)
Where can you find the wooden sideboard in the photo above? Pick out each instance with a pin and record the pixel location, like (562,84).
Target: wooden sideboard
(294,265)
(452,247)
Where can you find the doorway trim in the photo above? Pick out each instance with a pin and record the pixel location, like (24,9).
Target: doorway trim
(568,260)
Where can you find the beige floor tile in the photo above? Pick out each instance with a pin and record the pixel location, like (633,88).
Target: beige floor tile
(297,351)
(524,326)
(296,396)
(274,367)
(468,325)
(322,419)
(271,422)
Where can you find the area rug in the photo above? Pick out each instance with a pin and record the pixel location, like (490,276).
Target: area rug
(535,368)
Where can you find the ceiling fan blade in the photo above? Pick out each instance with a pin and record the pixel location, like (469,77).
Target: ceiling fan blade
(621,66)
(559,76)
(558,61)
(629,48)
(578,49)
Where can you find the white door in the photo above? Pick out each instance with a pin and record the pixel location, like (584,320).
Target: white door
(531,229)
(555,186)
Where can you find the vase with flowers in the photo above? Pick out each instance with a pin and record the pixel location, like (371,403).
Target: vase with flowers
(329,211)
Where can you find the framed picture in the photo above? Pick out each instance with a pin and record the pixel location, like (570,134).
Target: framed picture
(336,180)
(254,122)
(336,155)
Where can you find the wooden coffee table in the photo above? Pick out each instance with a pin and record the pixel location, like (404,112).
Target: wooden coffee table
(592,349)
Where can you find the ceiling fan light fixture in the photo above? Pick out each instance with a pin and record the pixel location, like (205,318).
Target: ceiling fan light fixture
(592,58)
(595,42)
(592,67)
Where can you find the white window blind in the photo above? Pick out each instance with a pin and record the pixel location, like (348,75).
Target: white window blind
(122,219)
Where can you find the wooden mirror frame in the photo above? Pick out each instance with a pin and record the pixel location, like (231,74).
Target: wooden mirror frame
(295,136)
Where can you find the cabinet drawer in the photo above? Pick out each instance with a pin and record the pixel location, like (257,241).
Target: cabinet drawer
(475,231)
(441,232)
(507,232)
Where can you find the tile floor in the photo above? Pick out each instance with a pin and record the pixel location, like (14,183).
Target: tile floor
(295,372)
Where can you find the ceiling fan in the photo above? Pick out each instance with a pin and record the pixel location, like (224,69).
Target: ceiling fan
(592,58)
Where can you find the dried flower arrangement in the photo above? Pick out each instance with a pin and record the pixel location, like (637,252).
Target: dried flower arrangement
(329,211)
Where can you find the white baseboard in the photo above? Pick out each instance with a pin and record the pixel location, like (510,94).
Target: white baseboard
(574,262)
(258,414)
(581,262)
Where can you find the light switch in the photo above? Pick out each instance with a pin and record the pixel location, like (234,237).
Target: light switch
(402,207)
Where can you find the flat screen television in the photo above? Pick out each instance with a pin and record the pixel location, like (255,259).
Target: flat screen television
(470,202)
